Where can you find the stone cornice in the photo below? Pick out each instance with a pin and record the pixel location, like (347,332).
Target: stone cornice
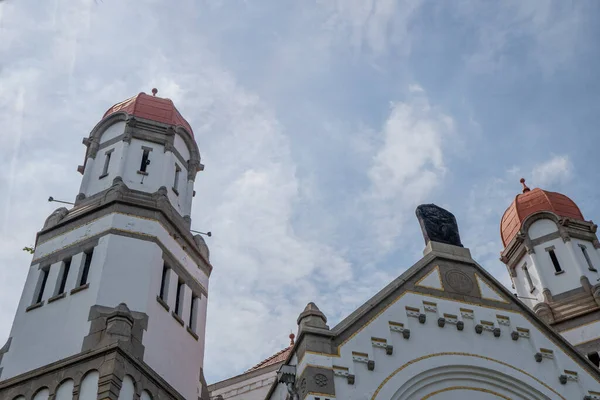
(65,363)
(152,131)
(568,228)
(119,198)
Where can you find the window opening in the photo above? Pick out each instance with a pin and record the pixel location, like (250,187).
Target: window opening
(106,164)
(587,258)
(176,181)
(64,275)
(145,160)
(178,298)
(192,321)
(86,267)
(43,279)
(554,260)
(528,277)
(163,282)
(594,358)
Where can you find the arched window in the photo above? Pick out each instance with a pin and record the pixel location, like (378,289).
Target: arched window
(89,386)
(42,394)
(65,391)
(145,396)
(127,388)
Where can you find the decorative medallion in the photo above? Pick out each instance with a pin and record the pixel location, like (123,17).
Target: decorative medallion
(459,281)
(320,380)
(303,385)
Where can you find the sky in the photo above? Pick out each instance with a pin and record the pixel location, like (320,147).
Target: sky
(322,125)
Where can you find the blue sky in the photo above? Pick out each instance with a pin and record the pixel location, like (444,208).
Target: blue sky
(322,124)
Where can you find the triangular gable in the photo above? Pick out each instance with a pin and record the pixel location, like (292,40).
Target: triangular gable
(487,292)
(461,280)
(432,280)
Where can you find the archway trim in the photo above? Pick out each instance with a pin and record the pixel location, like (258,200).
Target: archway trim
(386,380)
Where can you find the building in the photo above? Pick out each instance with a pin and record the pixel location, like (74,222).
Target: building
(114,305)
(447,329)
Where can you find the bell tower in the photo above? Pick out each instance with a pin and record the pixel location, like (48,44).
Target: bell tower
(553,258)
(114,305)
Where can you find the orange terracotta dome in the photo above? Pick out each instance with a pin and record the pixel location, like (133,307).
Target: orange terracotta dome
(152,108)
(533,201)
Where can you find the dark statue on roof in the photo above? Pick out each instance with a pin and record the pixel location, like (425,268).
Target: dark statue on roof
(438,225)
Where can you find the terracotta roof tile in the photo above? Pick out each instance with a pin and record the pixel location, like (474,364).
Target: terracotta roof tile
(530,202)
(274,359)
(152,108)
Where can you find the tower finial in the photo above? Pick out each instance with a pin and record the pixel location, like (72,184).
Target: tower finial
(525,187)
(154,91)
(292,337)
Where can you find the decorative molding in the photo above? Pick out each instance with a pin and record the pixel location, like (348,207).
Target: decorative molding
(120,199)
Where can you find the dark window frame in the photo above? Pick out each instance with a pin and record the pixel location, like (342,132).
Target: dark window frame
(87,262)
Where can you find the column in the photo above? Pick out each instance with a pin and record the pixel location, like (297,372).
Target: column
(123,160)
(576,262)
(87,173)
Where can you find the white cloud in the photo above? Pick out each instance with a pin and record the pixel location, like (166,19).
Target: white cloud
(551,28)
(407,167)
(372,25)
(558,169)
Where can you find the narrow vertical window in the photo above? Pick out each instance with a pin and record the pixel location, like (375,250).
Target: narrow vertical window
(587,258)
(192,321)
(39,294)
(178,299)
(528,277)
(176,180)
(594,358)
(63,276)
(555,261)
(164,282)
(145,159)
(86,267)
(106,163)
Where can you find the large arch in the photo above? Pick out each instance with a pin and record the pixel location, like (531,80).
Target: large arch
(446,372)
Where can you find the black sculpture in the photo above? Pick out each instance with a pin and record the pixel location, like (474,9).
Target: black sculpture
(438,225)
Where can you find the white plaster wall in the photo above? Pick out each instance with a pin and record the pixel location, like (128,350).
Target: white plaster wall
(181,147)
(156,169)
(116,129)
(594,258)
(97,184)
(88,390)
(126,223)
(582,334)
(568,280)
(127,389)
(55,330)
(430,346)
(254,388)
(170,350)
(542,227)
(129,271)
(178,199)
(201,325)
(522,287)
(65,391)
(461,394)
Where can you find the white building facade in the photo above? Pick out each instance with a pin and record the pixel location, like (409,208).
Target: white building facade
(446,329)
(114,306)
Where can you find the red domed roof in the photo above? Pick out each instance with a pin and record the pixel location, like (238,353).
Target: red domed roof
(530,202)
(152,108)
